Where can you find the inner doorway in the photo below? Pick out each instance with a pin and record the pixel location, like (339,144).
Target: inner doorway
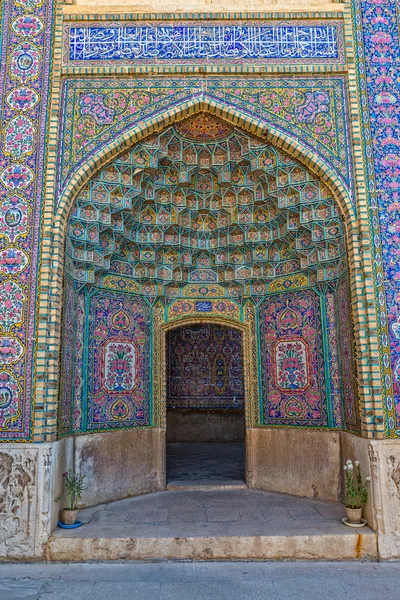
(205,405)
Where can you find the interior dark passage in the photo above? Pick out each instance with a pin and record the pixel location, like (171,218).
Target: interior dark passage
(205,404)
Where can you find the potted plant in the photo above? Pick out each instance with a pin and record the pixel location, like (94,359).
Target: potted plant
(356,493)
(74,486)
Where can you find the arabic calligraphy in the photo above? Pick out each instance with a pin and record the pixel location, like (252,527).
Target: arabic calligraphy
(194,42)
(203,306)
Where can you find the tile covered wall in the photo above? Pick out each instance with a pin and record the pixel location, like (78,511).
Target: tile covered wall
(205,367)
(292,360)
(27,38)
(105,382)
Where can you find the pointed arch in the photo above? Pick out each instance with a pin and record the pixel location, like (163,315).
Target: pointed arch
(55,224)
(271,134)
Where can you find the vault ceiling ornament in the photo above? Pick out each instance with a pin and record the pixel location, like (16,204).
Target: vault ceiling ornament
(204,203)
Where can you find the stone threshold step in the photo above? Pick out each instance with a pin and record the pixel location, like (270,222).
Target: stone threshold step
(205,486)
(346,546)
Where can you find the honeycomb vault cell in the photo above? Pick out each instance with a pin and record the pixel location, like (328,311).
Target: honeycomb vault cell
(203,202)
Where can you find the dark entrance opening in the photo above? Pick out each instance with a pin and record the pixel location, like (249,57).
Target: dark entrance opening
(205,405)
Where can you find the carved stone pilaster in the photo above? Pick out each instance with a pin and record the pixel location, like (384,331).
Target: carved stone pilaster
(18,501)
(376,488)
(45,495)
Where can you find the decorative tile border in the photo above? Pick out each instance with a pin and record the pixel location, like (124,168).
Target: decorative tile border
(257,42)
(26,59)
(181,308)
(376,31)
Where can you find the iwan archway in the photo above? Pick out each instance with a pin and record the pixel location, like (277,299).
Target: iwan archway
(203,222)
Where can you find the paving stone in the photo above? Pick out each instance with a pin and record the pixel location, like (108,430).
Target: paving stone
(237,512)
(304,588)
(251,514)
(282,580)
(214,463)
(226,591)
(196,515)
(70,590)
(223,514)
(20,590)
(276,512)
(305,513)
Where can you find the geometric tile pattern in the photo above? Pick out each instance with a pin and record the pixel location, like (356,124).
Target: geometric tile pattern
(204,203)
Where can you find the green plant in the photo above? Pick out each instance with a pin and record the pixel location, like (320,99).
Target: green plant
(74,486)
(356,490)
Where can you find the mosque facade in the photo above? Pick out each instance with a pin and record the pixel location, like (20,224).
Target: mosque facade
(199,214)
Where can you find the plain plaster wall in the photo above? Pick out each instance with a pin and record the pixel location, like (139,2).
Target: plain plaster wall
(199,6)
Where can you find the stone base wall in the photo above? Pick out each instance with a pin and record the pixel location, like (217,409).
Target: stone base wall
(120,464)
(116,465)
(292,461)
(127,463)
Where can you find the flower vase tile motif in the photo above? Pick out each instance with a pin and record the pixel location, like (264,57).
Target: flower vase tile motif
(118,363)
(26,49)
(293,364)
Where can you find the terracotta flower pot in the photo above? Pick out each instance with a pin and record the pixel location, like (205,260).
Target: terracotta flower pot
(68,516)
(353,514)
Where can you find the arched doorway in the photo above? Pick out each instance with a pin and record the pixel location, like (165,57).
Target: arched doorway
(205,222)
(205,404)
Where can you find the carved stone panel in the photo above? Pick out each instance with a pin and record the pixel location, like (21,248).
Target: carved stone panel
(18,501)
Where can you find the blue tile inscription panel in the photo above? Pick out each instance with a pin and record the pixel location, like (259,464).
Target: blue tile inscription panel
(171,42)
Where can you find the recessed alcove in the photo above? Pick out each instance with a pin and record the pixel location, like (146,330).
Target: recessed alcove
(207,302)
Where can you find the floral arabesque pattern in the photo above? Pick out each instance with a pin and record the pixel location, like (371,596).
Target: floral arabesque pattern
(24,84)
(205,367)
(292,360)
(313,111)
(118,392)
(376,29)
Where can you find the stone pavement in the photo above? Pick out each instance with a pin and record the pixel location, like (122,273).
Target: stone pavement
(224,524)
(211,463)
(201,581)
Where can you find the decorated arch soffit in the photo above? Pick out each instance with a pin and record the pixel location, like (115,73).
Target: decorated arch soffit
(312,111)
(203,203)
